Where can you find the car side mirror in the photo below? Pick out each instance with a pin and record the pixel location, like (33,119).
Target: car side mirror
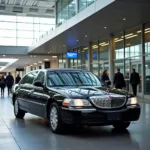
(38,84)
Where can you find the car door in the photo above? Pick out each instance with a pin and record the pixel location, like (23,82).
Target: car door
(39,97)
(25,90)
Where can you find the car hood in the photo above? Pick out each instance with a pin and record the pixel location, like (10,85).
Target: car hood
(86,92)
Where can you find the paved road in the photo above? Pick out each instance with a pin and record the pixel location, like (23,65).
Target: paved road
(33,133)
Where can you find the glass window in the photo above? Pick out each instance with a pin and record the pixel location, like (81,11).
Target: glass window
(45,27)
(41,77)
(36,20)
(8,41)
(24,42)
(119,46)
(36,34)
(64,15)
(36,27)
(59,20)
(6,25)
(24,26)
(95,58)
(147,38)
(25,34)
(63,2)
(7,33)
(147,75)
(89,2)
(82,4)
(104,48)
(47,20)
(72,78)
(7,18)
(30,77)
(133,43)
(58,5)
(24,19)
(84,57)
(71,8)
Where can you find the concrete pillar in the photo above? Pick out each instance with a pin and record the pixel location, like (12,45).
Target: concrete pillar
(111,58)
(90,56)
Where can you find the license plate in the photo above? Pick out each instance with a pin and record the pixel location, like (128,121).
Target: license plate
(113,116)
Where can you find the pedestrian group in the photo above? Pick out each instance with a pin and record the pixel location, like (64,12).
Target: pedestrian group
(119,81)
(8,82)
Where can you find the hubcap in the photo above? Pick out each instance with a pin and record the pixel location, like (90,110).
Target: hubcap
(54,118)
(16,107)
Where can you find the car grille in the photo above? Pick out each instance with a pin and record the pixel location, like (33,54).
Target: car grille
(108,101)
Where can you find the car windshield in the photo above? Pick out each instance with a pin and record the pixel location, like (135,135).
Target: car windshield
(73,78)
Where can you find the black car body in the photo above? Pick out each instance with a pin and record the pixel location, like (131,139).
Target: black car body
(73,96)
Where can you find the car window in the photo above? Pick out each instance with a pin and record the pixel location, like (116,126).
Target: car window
(41,77)
(29,77)
(72,79)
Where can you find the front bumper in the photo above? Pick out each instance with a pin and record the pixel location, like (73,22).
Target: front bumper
(99,117)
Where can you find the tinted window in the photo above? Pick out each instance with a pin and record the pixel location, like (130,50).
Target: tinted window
(41,77)
(72,79)
(29,77)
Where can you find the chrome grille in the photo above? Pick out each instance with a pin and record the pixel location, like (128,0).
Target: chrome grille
(108,101)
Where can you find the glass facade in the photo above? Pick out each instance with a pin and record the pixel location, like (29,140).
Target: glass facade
(66,9)
(22,31)
(127,55)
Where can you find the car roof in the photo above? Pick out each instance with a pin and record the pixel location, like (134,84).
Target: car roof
(61,69)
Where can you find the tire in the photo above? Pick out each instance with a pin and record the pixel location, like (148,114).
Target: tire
(17,111)
(121,125)
(55,121)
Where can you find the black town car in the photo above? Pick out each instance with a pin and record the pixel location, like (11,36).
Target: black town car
(73,96)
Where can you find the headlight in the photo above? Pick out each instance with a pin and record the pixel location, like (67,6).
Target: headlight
(76,102)
(132,101)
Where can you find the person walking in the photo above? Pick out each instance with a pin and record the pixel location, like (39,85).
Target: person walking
(18,78)
(134,81)
(119,81)
(9,82)
(2,85)
(105,77)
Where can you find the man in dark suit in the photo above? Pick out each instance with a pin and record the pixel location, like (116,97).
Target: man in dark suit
(119,81)
(134,81)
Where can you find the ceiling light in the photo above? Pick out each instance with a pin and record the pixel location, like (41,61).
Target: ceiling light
(54,56)
(77,40)
(31,65)
(147,31)
(4,55)
(139,31)
(118,40)
(128,44)
(105,27)
(46,59)
(105,44)
(124,19)
(64,45)
(131,36)
(85,35)
(35,63)
(84,49)
(40,62)
(127,35)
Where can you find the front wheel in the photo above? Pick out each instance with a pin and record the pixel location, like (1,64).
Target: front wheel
(121,125)
(56,123)
(17,111)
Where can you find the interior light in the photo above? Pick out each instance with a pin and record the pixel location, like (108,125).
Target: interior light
(127,35)
(139,31)
(118,40)
(40,62)
(124,18)
(147,31)
(64,45)
(46,59)
(102,43)
(105,27)
(85,35)
(35,63)
(4,55)
(77,40)
(131,36)
(54,56)
(85,48)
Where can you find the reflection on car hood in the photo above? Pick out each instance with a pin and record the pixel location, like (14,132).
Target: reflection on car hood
(86,92)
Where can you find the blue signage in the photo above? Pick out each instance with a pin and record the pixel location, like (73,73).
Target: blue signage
(72,55)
